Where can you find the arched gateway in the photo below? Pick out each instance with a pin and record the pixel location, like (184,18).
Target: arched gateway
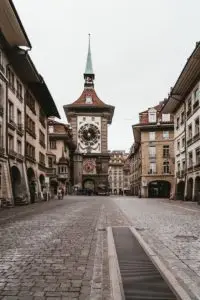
(159,189)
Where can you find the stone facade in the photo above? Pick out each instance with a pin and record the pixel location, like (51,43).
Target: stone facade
(152,156)
(60,153)
(184,104)
(117,172)
(23,116)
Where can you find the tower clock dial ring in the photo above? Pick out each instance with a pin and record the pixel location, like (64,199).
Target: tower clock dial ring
(89,134)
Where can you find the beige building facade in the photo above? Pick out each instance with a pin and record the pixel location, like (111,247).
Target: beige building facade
(154,148)
(116,172)
(25,105)
(60,156)
(183,103)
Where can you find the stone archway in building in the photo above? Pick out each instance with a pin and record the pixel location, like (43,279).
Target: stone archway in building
(180,190)
(53,187)
(159,189)
(31,183)
(197,189)
(89,185)
(42,181)
(16,182)
(189,189)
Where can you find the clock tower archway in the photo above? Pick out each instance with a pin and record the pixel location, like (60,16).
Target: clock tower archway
(89,117)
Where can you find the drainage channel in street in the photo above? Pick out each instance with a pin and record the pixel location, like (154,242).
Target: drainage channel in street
(139,277)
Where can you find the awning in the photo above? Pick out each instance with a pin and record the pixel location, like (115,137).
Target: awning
(11,25)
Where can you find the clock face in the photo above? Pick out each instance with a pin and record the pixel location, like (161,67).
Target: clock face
(89,134)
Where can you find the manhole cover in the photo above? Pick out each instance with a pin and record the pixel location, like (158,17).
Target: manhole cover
(188,238)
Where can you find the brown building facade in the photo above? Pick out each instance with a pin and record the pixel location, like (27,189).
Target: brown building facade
(60,156)
(153,154)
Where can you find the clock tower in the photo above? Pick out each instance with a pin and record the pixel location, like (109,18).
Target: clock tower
(89,118)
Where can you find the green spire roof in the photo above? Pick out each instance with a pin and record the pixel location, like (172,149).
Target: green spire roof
(89,68)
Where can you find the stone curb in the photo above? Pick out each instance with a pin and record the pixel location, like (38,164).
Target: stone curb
(117,292)
(167,275)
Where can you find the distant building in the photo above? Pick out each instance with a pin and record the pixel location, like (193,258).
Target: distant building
(153,154)
(60,156)
(183,103)
(116,172)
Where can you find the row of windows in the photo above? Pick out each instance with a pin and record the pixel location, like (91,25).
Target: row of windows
(30,101)
(152,116)
(15,85)
(193,127)
(193,99)
(152,151)
(42,138)
(11,144)
(11,113)
(30,125)
(194,157)
(165,167)
(152,135)
(41,158)
(30,151)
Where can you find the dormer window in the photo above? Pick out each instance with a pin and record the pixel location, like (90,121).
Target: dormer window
(51,129)
(88,100)
(152,115)
(165,117)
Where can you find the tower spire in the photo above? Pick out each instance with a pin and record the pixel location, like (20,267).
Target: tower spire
(89,73)
(89,68)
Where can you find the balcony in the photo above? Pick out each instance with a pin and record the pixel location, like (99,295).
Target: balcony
(152,172)
(20,157)
(12,124)
(190,167)
(197,165)
(196,137)
(189,141)
(20,129)
(51,172)
(63,176)
(196,104)
(1,110)
(152,156)
(30,158)
(12,153)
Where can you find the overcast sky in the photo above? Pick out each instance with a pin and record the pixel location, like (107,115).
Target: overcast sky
(138,50)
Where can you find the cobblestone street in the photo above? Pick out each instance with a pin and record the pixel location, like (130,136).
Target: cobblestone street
(58,249)
(55,251)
